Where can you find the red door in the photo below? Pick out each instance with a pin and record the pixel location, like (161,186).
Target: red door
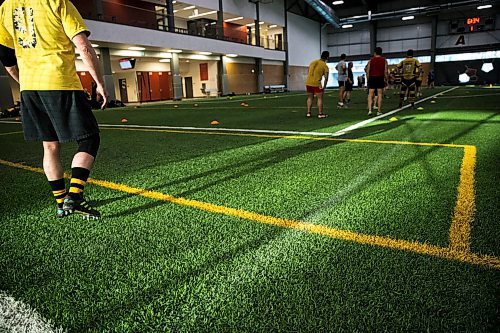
(144,86)
(165,85)
(154,86)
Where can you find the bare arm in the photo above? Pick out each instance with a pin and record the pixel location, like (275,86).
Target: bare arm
(14,72)
(89,58)
(327,74)
(367,70)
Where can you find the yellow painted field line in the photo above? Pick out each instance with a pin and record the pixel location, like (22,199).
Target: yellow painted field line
(1,134)
(292,137)
(384,242)
(465,206)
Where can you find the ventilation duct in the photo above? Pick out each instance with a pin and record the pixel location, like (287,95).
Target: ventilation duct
(325,11)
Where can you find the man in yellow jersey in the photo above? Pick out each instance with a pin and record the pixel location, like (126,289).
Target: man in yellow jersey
(53,104)
(409,69)
(317,69)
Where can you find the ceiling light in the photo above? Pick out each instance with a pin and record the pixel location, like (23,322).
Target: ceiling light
(406,18)
(203,14)
(487,67)
(339,2)
(165,55)
(205,53)
(175,11)
(95,45)
(175,1)
(234,19)
(136,48)
(484,7)
(250,24)
(189,7)
(164,60)
(175,51)
(463,78)
(273,26)
(231,55)
(347,26)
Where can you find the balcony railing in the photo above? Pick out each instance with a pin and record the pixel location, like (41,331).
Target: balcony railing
(152,16)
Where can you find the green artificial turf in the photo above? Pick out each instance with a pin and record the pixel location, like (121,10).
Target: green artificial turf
(155,266)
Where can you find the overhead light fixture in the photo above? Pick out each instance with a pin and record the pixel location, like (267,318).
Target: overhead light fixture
(95,45)
(487,67)
(234,19)
(463,78)
(136,48)
(484,7)
(273,26)
(188,8)
(175,51)
(205,53)
(175,11)
(339,2)
(165,55)
(406,18)
(231,55)
(174,1)
(347,26)
(164,60)
(203,14)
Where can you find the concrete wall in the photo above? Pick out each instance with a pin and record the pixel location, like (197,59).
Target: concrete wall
(303,40)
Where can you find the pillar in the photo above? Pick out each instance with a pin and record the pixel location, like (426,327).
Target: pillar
(176,77)
(107,72)
(6,99)
(260,75)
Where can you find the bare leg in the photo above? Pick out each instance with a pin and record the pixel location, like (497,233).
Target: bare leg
(51,160)
(320,103)
(310,97)
(379,101)
(370,99)
(82,160)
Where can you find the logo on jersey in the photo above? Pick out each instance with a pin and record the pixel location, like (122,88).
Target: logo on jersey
(24,23)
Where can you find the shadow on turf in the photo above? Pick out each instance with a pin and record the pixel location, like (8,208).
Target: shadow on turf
(249,166)
(275,157)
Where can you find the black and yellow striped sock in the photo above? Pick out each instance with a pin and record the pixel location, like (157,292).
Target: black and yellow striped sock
(79,178)
(58,190)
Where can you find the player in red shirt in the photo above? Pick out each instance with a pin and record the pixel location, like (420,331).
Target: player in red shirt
(377,73)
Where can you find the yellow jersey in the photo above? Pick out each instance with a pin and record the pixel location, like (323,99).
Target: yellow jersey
(410,68)
(41,31)
(317,69)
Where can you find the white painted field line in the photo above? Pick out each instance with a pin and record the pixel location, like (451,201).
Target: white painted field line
(465,96)
(15,316)
(220,129)
(367,121)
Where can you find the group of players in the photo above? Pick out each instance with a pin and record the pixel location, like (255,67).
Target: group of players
(407,77)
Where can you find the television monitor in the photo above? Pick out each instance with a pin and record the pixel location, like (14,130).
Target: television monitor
(127,63)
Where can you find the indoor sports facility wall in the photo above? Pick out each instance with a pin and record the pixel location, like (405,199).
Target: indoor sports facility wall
(473,72)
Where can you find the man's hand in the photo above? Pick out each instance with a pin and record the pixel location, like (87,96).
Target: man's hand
(101,91)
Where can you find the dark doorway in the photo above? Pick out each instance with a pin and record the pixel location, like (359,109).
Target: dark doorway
(188,83)
(123,90)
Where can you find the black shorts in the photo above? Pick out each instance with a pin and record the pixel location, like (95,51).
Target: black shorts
(57,115)
(376,82)
(348,86)
(408,83)
(418,83)
(341,84)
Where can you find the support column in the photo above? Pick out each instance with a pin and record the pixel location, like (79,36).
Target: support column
(257,25)
(433,42)
(220,21)
(107,72)
(260,75)
(176,77)
(223,77)
(373,36)
(98,9)
(6,99)
(286,64)
(170,16)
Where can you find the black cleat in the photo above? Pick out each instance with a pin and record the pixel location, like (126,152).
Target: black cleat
(81,206)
